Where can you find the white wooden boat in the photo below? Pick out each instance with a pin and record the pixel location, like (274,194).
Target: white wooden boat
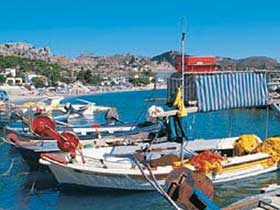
(81,130)
(101,170)
(53,104)
(101,135)
(105,169)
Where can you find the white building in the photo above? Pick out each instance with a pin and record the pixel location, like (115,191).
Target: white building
(29,77)
(119,80)
(10,71)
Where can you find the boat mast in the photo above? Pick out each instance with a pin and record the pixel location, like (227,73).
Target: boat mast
(183,84)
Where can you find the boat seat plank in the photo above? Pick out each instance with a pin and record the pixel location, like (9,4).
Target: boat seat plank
(244,159)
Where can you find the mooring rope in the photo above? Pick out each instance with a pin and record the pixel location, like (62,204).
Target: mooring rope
(267,122)
(155,184)
(33,186)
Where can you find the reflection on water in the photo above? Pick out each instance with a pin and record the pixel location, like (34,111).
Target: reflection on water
(22,189)
(112,200)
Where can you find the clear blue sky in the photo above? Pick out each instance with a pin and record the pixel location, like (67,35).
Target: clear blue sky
(234,28)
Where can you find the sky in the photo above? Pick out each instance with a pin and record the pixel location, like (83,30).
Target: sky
(229,28)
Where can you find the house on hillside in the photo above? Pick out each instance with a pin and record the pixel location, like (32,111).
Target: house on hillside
(119,80)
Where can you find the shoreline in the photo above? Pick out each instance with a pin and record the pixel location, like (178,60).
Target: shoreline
(116,91)
(18,99)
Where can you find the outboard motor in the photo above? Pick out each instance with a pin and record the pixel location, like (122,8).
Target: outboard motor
(69,108)
(153,112)
(112,116)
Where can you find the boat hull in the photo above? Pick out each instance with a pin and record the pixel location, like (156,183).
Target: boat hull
(32,159)
(96,179)
(132,179)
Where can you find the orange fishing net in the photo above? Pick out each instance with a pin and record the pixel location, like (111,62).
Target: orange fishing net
(207,162)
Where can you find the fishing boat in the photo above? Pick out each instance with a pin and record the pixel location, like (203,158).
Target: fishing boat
(54,107)
(83,128)
(103,168)
(86,131)
(31,145)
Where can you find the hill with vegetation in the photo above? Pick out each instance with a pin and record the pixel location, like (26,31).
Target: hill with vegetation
(24,66)
(91,69)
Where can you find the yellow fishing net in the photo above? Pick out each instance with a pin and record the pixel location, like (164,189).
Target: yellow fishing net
(245,144)
(29,104)
(270,146)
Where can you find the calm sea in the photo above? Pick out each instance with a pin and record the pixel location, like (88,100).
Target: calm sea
(22,189)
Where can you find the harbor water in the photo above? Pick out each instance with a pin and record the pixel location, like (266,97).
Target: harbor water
(23,189)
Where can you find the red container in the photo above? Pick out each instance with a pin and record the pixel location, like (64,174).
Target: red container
(196,64)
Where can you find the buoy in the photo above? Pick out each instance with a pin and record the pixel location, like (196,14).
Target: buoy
(12,137)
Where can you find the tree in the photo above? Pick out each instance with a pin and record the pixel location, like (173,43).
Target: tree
(23,65)
(84,76)
(139,81)
(87,77)
(2,79)
(149,73)
(38,82)
(95,80)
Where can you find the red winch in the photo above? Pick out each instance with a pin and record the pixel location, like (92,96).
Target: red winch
(66,141)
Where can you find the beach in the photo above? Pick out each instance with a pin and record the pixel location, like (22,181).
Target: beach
(30,96)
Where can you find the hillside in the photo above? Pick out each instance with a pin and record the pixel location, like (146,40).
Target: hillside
(115,65)
(25,65)
(254,62)
(90,69)
(169,57)
(229,64)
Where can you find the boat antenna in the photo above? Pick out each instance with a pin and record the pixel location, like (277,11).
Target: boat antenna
(183,81)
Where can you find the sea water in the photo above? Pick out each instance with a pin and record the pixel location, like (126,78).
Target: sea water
(23,189)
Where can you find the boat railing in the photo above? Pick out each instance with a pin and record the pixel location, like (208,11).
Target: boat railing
(266,204)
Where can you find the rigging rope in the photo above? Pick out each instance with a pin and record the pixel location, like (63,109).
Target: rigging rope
(140,113)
